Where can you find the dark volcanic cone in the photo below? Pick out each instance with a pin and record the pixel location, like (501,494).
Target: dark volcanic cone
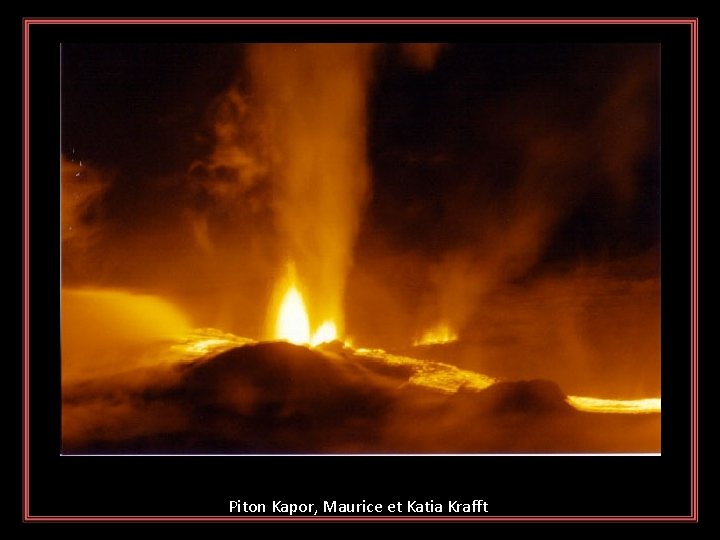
(523,397)
(281,398)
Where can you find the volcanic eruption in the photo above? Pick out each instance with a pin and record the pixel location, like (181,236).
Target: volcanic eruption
(360,248)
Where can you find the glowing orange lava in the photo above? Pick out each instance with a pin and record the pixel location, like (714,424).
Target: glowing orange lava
(326,333)
(628,406)
(426,373)
(292,322)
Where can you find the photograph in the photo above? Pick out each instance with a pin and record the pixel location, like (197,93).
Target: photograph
(360,248)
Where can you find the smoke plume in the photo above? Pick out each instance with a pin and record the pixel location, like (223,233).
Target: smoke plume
(312,100)
(82,187)
(562,170)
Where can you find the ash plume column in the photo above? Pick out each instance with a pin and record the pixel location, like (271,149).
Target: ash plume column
(313,103)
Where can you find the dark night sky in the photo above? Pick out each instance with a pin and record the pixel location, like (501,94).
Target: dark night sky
(458,131)
(466,126)
(520,174)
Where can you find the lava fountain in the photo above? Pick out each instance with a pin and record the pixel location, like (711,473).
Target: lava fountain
(292,323)
(312,101)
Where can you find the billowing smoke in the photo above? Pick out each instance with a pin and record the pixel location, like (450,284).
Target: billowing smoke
(110,331)
(313,103)
(541,169)
(555,179)
(82,188)
(232,179)
(530,227)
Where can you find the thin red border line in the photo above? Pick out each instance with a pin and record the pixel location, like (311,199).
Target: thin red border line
(26,268)
(369,518)
(693,269)
(694,277)
(363,21)
(693,22)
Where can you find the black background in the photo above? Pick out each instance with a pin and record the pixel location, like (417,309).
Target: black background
(513,485)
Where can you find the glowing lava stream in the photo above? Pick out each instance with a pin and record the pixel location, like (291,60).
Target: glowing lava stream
(631,406)
(435,375)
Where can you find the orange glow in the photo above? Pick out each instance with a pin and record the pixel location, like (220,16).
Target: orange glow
(325,334)
(104,330)
(627,406)
(427,373)
(311,100)
(292,321)
(442,333)
(450,379)
(204,341)
(435,375)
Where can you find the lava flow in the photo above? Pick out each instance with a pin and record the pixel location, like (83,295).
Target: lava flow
(438,376)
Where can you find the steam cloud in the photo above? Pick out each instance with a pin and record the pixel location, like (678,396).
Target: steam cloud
(547,193)
(556,169)
(108,331)
(233,178)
